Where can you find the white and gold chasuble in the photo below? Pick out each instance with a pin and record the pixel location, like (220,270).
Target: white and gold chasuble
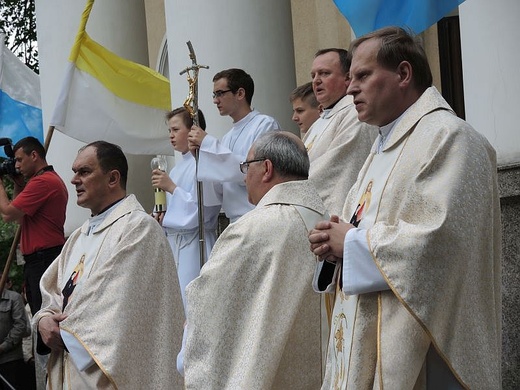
(345,306)
(124,309)
(433,231)
(253,320)
(338,145)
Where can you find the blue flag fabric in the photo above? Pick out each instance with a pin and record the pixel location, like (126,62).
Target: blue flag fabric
(365,16)
(20,99)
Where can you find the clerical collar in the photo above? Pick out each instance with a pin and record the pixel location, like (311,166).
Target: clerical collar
(96,220)
(326,111)
(384,134)
(108,207)
(333,104)
(386,130)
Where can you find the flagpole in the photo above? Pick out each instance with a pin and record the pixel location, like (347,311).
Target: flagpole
(18,233)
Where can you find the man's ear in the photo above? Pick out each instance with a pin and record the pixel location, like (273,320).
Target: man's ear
(241,93)
(114,178)
(269,171)
(405,72)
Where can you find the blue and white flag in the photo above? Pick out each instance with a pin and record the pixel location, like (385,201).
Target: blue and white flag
(365,16)
(20,99)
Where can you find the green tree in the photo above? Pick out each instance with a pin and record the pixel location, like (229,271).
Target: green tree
(18,22)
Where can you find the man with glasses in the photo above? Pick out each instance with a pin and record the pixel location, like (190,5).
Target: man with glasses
(219,160)
(253,321)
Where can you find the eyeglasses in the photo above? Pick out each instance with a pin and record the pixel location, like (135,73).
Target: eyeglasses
(218,94)
(244,165)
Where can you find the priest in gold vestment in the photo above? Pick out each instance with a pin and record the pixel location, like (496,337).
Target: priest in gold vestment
(418,269)
(253,320)
(337,142)
(112,313)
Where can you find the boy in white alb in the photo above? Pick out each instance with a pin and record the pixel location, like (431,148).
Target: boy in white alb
(180,221)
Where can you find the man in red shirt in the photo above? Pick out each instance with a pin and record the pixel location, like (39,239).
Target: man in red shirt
(39,206)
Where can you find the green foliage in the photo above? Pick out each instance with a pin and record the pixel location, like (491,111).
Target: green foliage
(7,231)
(18,22)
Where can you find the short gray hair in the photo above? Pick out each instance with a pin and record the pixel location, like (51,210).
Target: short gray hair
(289,158)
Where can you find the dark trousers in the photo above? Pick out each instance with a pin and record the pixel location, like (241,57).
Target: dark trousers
(12,372)
(35,265)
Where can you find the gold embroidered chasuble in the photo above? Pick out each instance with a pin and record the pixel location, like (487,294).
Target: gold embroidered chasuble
(253,320)
(436,240)
(126,309)
(338,145)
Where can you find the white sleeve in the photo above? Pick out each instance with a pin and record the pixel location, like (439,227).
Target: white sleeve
(217,163)
(81,358)
(180,356)
(183,208)
(360,273)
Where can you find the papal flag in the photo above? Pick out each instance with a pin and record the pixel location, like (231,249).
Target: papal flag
(365,16)
(106,97)
(20,99)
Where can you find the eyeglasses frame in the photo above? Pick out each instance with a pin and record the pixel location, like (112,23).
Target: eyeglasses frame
(244,165)
(218,94)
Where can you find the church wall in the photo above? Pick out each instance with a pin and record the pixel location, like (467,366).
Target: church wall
(253,35)
(489,35)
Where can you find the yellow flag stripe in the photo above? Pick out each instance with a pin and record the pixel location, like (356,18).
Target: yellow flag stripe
(127,80)
(81,31)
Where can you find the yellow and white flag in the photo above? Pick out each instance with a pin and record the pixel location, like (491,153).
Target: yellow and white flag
(105,97)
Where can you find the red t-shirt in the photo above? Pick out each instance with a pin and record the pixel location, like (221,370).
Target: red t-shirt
(44,202)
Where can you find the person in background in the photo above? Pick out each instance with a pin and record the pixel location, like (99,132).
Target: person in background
(306,109)
(14,326)
(180,221)
(39,207)
(338,143)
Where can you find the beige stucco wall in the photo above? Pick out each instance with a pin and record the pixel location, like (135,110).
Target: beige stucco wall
(155,28)
(318,24)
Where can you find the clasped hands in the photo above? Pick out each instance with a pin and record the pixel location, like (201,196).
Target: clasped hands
(328,237)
